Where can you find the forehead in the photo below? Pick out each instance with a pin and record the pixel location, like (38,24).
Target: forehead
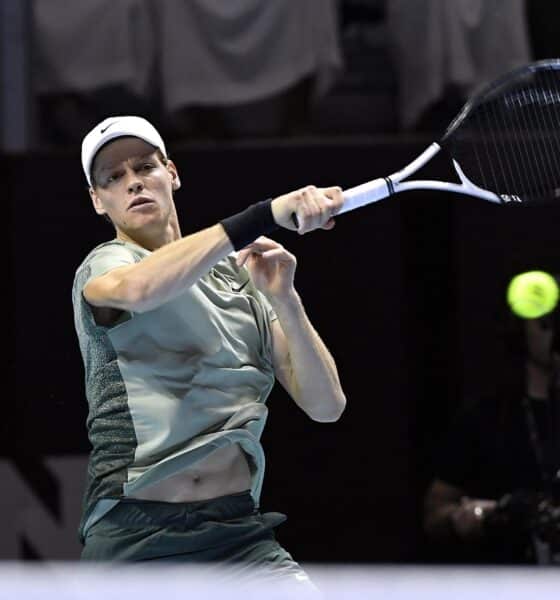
(120,150)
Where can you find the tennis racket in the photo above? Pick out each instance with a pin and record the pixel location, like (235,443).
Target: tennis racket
(504,144)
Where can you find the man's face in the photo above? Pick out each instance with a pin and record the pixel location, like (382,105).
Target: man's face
(132,186)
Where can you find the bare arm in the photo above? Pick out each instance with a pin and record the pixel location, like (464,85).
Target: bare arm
(173,268)
(302,363)
(161,276)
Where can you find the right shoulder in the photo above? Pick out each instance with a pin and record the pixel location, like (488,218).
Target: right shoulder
(108,256)
(116,250)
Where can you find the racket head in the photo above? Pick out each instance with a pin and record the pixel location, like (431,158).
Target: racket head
(507,136)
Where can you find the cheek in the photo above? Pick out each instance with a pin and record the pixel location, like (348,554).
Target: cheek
(112,207)
(164,184)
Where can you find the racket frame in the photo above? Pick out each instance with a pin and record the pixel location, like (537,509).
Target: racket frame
(380,188)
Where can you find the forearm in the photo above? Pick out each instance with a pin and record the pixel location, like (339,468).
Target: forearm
(311,374)
(164,274)
(176,266)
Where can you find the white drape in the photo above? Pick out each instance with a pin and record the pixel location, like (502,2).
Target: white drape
(215,52)
(464,43)
(84,45)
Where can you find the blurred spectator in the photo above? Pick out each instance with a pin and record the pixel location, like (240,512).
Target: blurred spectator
(248,67)
(444,49)
(494,497)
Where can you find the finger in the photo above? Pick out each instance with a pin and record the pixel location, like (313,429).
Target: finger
(264,244)
(332,191)
(337,197)
(260,245)
(331,201)
(242,256)
(318,211)
(262,239)
(279,254)
(329,225)
(304,209)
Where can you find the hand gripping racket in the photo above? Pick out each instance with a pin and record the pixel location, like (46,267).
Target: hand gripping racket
(504,144)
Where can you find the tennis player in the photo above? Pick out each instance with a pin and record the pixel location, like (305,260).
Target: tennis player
(182,339)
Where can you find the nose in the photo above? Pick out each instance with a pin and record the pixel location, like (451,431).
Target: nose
(135,186)
(134,183)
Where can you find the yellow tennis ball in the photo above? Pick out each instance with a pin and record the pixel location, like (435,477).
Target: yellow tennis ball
(532,294)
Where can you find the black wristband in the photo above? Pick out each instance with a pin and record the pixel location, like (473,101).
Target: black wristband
(246,226)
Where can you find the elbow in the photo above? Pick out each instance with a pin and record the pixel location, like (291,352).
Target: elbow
(133,294)
(122,288)
(331,412)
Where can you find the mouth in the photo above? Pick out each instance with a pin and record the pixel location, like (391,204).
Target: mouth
(140,201)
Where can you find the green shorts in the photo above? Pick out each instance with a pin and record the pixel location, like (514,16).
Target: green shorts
(227,530)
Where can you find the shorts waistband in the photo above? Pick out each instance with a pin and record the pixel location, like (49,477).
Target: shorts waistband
(134,512)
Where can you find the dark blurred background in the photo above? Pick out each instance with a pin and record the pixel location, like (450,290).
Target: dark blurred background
(255,99)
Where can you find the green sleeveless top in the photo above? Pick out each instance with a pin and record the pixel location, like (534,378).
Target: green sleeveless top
(167,387)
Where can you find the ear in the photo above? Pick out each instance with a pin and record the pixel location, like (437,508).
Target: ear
(97,204)
(175,181)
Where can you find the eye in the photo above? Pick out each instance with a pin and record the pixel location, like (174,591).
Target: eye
(112,178)
(147,166)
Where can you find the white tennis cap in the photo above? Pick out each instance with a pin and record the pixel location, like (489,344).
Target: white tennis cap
(116,127)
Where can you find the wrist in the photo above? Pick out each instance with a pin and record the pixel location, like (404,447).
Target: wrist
(287,301)
(283,211)
(246,226)
(275,209)
(278,209)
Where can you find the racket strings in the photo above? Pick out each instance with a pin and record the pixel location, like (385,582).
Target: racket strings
(553,120)
(532,172)
(550,166)
(513,159)
(508,140)
(521,167)
(517,160)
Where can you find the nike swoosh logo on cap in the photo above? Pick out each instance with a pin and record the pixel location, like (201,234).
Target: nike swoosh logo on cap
(107,127)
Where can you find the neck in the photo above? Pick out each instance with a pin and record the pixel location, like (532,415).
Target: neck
(152,240)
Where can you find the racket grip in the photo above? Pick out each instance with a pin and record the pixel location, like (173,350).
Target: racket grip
(366,193)
(360,195)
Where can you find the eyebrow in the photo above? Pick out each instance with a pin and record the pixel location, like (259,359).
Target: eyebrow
(102,170)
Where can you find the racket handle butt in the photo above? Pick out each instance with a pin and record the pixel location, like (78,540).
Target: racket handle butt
(295,220)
